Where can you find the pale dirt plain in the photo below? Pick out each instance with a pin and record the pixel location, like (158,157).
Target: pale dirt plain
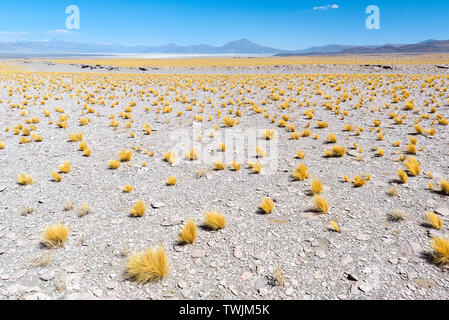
(373,257)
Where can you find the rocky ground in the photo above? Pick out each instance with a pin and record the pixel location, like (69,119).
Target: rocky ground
(291,253)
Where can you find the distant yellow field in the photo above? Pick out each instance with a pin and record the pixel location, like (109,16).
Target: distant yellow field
(266,61)
(8,67)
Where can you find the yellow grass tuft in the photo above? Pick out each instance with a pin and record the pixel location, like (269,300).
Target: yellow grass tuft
(139,209)
(444,184)
(337,151)
(359,181)
(335,226)
(332,138)
(267,205)
(148,266)
(321,204)
(125,155)
(75,137)
(413,166)
(171,181)
(300,155)
(261,153)
(441,247)
(219,165)
(24,179)
(411,149)
(188,233)
(301,172)
(56,176)
(192,155)
(214,220)
(269,134)
(65,167)
(403,177)
(380,152)
(114,164)
(170,157)
(434,220)
(55,236)
(316,186)
(128,188)
(235,165)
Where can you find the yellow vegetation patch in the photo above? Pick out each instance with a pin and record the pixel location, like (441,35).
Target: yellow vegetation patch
(55,235)
(139,209)
(188,233)
(267,205)
(441,247)
(321,204)
(214,220)
(148,266)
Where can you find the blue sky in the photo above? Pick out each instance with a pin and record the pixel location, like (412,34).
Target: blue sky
(281,24)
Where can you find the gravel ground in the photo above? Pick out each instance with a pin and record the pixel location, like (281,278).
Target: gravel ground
(371,258)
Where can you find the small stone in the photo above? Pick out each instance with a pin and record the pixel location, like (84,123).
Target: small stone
(320,253)
(345,260)
(198,253)
(157,205)
(182,284)
(442,211)
(238,253)
(351,277)
(246,275)
(263,291)
(289,291)
(365,287)
(363,237)
(47,275)
(393,261)
(111,285)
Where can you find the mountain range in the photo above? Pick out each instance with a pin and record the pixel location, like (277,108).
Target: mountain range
(242,46)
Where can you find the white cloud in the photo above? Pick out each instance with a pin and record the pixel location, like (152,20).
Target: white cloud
(327,6)
(13,33)
(61,31)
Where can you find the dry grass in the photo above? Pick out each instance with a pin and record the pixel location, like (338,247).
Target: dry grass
(444,184)
(413,166)
(69,205)
(335,226)
(171,181)
(441,247)
(55,236)
(56,176)
(84,210)
(42,260)
(139,208)
(393,191)
(24,179)
(214,220)
(114,164)
(398,215)
(188,233)
(267,205)
(359,181)
(321,204)
(28,210)
(65,167)
(403,177)
(301,172)
(316,187)
(125,155)
(434,221)
(128,188)
(148,266)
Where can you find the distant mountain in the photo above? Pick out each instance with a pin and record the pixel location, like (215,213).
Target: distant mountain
(428,46)
(242,46)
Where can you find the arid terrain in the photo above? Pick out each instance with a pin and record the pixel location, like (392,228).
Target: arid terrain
(353,152)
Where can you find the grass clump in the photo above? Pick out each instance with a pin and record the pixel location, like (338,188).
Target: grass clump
(148,266)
